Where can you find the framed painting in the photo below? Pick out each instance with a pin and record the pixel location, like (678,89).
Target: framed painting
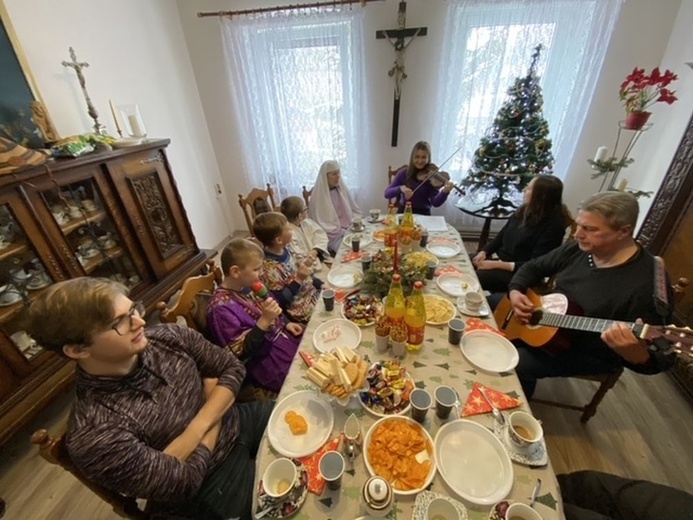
(23,117)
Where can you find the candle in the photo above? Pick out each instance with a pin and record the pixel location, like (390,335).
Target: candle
(120,132)
(622,185)
(602,154)
(136,126)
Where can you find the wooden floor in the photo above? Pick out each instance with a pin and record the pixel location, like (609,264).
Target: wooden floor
(642,430)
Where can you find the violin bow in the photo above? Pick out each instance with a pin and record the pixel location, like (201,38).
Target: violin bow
(437,169)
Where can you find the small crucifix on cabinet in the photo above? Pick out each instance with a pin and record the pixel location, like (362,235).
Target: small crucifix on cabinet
(400,39)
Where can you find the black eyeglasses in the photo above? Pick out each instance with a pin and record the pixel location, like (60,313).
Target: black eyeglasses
(125,324)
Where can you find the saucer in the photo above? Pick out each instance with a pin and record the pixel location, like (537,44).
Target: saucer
(375,221)
(425,498)
(481,312)
(91,253)
(358,230)
(534,455)
(286,507)
(38,283)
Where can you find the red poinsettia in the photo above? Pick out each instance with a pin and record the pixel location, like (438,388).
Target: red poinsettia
(640,91)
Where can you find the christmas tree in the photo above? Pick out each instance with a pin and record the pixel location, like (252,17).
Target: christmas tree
(515,149)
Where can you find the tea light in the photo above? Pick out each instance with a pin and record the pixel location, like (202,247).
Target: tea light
(622,185)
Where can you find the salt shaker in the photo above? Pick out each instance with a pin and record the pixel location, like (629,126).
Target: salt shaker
(377,497)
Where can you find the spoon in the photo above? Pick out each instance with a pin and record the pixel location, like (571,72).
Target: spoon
(535,493)
(497,414)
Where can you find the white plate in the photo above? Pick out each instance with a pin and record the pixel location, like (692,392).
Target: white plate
(127,141)
(345,276)
(489,351)
(366,458)
(449,305)
(473,462)
(481,312)
(457,284)
(350,335)
(443,248)
(318,414)
(366,239)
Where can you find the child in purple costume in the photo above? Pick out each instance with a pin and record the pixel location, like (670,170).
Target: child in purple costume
(252,328)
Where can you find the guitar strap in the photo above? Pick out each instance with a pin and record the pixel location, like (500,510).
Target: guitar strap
(661,293)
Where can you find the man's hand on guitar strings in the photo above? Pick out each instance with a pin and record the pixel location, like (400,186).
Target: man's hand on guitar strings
(522,305)
(621,339)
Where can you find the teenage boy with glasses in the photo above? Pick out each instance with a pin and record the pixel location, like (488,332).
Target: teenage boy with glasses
(154,415)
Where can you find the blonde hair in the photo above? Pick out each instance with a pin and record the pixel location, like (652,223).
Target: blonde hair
(268,226)
(238,252)
(71,312)
(618,208)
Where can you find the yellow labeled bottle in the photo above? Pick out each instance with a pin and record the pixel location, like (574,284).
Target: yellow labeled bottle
(392,228)
(395,304)
(415,318)
(407,226)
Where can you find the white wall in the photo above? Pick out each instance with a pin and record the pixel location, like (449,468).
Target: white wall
(137,54)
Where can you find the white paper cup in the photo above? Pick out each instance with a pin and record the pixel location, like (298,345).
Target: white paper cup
(279,478)
(520,511)
(524,429)
(441,509)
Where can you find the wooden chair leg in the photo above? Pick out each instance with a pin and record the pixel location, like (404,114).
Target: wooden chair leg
(591,408)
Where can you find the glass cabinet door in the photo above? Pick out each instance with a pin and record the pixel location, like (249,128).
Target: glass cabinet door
(22,276)
(80,213)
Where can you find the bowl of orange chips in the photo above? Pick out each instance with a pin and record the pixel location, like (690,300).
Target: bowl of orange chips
(401,451)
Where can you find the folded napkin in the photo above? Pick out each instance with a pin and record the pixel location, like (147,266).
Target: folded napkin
(351,256)
(448,269)
(476,324)
(476,404)
(341,295)
(316,484)
(308,359)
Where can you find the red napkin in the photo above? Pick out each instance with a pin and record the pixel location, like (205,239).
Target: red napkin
(351,256)
(341,295)
(448,269)
(316,484)
(476,403)
(476,324)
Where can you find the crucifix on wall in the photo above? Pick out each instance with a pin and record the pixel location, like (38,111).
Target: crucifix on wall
(400,39)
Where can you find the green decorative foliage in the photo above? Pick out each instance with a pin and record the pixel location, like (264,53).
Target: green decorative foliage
(442,351)
(468,384)
(367,344)
(515,149)
(547,500)
(444,366)
(436,379)
(378,278)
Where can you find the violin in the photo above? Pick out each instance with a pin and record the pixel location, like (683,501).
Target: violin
(439,178)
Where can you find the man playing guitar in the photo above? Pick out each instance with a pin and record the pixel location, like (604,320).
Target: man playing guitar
(608,275)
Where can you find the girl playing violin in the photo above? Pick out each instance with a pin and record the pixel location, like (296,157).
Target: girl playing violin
(412,183)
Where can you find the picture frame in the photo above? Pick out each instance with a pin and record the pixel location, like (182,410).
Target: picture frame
(23,116)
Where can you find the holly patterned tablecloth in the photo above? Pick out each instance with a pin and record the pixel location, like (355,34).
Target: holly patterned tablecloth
(436,363)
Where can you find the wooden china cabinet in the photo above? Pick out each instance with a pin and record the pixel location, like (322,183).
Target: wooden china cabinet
(115,214)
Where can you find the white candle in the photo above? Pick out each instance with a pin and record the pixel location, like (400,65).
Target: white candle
(602,154)
(136,127)
(113,112)
(622,185)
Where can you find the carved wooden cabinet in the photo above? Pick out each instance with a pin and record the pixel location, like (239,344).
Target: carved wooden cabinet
(116,214)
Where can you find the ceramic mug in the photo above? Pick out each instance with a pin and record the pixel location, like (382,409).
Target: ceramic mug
(520,511)
(279,478)
(524,429)
(442,509)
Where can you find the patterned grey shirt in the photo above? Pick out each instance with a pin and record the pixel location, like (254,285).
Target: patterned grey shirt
(120,425)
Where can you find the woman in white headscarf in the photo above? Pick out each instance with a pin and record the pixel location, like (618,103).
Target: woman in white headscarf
(331,204)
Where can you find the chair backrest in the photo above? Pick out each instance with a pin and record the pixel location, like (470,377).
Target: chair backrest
(53,450)
(306,195)
(391,175)
(192,302)
(256,202)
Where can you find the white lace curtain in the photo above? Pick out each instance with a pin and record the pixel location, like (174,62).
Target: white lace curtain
(296,80)
(488,43)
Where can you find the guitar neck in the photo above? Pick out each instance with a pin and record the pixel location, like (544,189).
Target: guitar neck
(565,321)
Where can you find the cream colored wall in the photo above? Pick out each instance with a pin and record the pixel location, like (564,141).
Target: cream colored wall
(137,53)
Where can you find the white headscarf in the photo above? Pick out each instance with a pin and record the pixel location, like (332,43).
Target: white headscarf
(321,209)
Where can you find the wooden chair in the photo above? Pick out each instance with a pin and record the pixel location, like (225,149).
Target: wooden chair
(391,175)
(258,201)
(192,302)
(306,195)
(53,449)
(606,381)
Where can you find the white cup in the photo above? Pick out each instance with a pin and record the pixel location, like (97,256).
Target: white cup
(357,223)
(520,511)
(524,429)
(375,214)
(442,509)
(279,478)
(473,300)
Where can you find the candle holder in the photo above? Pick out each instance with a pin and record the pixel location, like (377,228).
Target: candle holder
(132,120)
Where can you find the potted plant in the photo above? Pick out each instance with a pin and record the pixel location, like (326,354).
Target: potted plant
(640,91)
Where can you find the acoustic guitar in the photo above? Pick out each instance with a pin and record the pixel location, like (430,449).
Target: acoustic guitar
(553,312)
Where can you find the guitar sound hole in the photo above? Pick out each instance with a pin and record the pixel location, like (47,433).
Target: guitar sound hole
(536,317)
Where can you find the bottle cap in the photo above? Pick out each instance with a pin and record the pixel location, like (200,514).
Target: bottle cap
(396,277)
(418,285)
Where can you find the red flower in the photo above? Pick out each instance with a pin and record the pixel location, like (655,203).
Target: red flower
(640,91)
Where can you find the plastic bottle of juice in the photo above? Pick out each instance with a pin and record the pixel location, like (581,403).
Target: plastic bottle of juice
(407,226)
(395,304)
(392,229)
(415,318)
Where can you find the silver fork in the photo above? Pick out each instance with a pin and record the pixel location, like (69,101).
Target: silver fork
(497,414)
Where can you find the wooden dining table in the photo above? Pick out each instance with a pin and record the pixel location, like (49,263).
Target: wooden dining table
(437,363)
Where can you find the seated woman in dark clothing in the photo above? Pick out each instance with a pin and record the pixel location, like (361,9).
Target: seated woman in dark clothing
(537,227)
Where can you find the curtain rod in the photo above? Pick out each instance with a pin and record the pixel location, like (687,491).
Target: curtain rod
(333,3)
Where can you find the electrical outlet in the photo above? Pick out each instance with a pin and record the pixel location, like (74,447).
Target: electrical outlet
(217,189)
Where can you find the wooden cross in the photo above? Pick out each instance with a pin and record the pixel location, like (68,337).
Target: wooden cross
(398,39)
(78,66)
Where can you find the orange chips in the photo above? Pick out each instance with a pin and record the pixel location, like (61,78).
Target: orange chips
(393,452)
(296,422)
